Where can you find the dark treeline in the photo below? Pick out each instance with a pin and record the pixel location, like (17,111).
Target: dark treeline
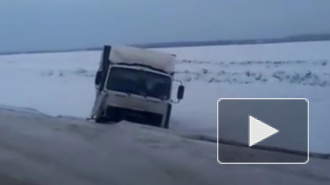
(296,38)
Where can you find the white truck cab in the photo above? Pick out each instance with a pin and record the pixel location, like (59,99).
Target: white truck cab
(135,84)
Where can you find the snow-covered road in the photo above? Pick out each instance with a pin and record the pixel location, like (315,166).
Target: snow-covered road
(62,83)
(38,149)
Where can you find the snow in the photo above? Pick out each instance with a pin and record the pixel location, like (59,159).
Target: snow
(45,150)
(286,51)
(62,83)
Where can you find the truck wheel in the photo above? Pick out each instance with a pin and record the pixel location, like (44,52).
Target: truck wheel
(168,115)
(100,118)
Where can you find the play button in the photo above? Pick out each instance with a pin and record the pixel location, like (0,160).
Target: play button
(264,131)
(259,131)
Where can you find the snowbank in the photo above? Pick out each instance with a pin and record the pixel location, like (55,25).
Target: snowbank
(45,150)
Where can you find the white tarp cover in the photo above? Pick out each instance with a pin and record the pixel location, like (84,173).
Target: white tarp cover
(131,55)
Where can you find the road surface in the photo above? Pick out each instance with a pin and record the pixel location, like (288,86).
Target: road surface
(41,150)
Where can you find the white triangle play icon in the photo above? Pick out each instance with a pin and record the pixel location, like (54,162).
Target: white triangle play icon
(259,131)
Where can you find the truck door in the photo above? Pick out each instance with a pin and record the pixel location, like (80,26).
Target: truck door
(101,74)
(100,79)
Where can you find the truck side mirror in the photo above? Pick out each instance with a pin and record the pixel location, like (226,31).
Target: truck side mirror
(180,92)
(98,78)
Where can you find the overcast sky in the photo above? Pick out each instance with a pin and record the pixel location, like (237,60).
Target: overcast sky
(64,24)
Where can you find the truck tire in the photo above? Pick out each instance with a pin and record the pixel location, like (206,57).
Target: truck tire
(100,118)
(168,116)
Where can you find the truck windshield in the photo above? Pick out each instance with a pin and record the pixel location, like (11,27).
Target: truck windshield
(139,82)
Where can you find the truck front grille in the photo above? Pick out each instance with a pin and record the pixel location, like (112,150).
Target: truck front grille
(117,114)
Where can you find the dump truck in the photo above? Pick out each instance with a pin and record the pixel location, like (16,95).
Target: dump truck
(135,84)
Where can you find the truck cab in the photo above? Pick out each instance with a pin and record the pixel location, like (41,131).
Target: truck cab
(135,84)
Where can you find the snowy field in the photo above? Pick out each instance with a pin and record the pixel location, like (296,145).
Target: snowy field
(62,83)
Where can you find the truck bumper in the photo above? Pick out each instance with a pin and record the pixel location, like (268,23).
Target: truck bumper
(117,114)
